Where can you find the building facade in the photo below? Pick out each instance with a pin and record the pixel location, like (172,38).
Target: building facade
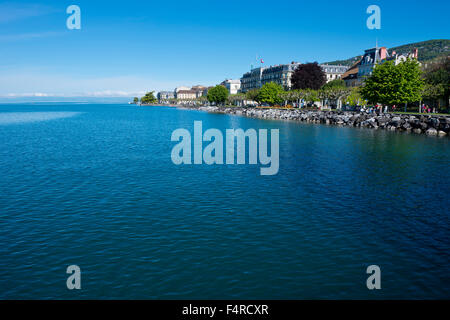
(373,57)
(370,59)
(233,86)
(402,57)
(252,79)
(200,91)
(187,94)
(351,75)
(333,72)
(166,95)
(280,74)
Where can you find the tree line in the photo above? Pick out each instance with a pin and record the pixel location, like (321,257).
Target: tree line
(389,84)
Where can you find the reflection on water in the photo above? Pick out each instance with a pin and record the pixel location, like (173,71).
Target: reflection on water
(24,117)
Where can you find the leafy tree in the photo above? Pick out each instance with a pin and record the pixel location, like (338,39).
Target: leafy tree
(135,100)
(236,99)
(218,94)
(308,76)
(437,78)
(311,95)
(201,100)
(337,83)
(149,98)
(392,84)
(334,94)
(271,93)
(287,96)
(298,95)
(354,98)
(252,95)
(433,92)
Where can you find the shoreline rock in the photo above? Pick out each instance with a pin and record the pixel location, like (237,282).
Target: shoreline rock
(432,125)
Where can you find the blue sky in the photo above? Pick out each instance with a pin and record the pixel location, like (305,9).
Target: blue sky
(127,47)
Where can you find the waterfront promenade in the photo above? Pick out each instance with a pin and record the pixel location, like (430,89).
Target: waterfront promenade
(432,125)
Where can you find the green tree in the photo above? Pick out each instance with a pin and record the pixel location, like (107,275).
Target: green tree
(149,98)
(437,79)
(218,94)
(252,95)
(271,93)
(290,96)
(354,98)
(236,99)
(392,84)
(311,95)
(336,83)
(136,100)
(335,95)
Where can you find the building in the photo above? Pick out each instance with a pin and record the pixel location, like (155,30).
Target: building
(370,59)
(351,75)
(166,95)
(200,91)
(398,58)
(280,74)
(252,79)
(233,86)
(187,94)
(181,88)
(333,72)
(375,56)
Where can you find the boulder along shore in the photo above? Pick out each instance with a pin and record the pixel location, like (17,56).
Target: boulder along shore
(433,125)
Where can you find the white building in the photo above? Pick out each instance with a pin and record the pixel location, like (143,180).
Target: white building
(181,88)
(333,72)
(233,86)
(186,94)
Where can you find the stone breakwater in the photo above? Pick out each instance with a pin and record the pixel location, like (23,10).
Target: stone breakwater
(432,125)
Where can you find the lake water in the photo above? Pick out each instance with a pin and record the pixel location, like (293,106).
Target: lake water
(94,186)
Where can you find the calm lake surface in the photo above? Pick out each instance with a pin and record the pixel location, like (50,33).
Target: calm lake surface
(94,185)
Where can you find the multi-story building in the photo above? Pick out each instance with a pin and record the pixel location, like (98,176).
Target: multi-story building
(200,91)
(187,94)
(280,74)
(375,56)
(166,95)
(333,72)
(252,79)
(351,75)
(370,59)
(233,86)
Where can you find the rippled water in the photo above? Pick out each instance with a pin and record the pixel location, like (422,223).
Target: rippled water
(94,185)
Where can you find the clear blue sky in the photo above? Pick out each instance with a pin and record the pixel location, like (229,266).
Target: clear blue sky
(127,47)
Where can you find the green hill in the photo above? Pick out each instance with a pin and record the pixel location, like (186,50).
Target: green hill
(428,50)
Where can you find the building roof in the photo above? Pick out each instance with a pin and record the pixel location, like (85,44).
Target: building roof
(333,68)
(187,91)
(353,70)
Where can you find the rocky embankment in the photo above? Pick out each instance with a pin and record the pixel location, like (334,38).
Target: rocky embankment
(427,124)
